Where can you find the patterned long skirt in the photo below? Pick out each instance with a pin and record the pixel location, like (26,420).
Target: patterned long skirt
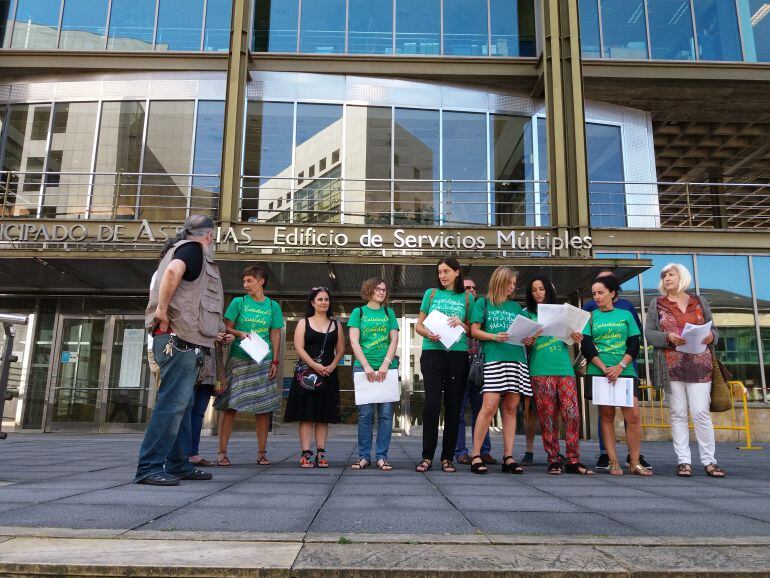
(249,389)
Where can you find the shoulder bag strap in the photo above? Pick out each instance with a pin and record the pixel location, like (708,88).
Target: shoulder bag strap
(326,338)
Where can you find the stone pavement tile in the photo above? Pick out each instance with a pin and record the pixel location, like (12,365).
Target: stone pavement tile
(259,501)
(476,560)
(513,504)
(71,555)
(548,523)
(214,536)
(391,521)
(13,505)
(394,489)
(234,520)
(136,495)
(55,515)
(578,539)
(370,538)
(43,532)
(11,494)
(282,478)
(385,502)
(512,490)
(634,504)
(275,488)
(593,491)
(691,560)
(701,492)
(692,524)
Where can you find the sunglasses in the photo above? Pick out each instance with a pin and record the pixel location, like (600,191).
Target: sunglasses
(320,289)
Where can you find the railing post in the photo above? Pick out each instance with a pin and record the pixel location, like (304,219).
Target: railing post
(116,195)
(689,207)
(5,193)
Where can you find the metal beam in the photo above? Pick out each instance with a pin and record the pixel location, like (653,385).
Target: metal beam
(20,62)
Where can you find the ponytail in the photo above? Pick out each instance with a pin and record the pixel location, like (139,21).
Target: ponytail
(194,226)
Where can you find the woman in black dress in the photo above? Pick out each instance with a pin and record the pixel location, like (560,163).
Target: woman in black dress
(317,409)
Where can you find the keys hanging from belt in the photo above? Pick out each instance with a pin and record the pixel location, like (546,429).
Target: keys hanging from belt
(169,350)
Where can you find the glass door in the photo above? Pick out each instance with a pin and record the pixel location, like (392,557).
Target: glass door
(412,388)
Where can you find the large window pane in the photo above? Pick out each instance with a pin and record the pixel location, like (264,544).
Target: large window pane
(651,277)
(465,27)
(762,289)
(416,162)
(6,16)
(275,25)
(513,27)
(367,162)
(605,163)
(317,163)
(131,25)
(267,153)
(37,23)
(370,26)
(323,26)
(84,25)
(71,150)
(624,29)
(119,150)
(671,29)
(217,34)
(418,27)
(465,163)
(166,166)
(724,281)
(179,25)
(510,143)
(25,149)
(208,155)
(717,24)
(589,29)
(755,25)
(543,203)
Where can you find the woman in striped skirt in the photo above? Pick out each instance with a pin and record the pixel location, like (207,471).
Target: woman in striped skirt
(505,366)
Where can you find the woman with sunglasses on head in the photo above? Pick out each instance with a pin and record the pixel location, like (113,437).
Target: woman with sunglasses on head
(554,384)
(374,339)
(444,372)
(505,366)
(320,343)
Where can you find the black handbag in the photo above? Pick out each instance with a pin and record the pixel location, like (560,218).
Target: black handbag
(476,371)
(306,378)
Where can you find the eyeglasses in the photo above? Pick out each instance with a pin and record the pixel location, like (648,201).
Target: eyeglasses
(381,289)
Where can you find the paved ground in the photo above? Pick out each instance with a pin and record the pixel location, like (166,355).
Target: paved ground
(72,487)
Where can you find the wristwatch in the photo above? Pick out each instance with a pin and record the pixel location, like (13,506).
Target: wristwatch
(623,365)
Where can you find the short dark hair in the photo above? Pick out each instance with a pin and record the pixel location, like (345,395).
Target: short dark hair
(453,264)
(611,283)
(257,272)
(310,311)
(550,292)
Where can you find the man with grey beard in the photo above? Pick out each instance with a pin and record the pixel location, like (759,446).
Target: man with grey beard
(184,315)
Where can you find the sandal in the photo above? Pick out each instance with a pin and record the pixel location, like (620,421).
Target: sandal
(262,459)
(639,470)
(684,470)
(361,464)
(222,459)
(578,468)
(615,469)
(478,467)
(424,465)
(306,460)
(448,467)
(714,471)
(384,465)
(201,463)
(320,458)
(555,468)
(512,466)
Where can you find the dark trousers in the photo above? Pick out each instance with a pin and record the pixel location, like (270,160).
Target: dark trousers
(203,393)
(443,373)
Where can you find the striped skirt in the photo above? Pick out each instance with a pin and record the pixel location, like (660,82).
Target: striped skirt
(249,390)
(506,377)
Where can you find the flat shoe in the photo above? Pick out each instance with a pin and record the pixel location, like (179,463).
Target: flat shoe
(202,463)
(160,480)
(197,475)
(464,459)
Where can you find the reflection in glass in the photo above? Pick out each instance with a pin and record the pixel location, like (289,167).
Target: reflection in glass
(724,281)
(129,380)
(179,25)
(513,27)
(370,26)
(6,17)
(510,143)
(465,27)
(37,23)
(761,267)
(605,163)
(465,163)
(651,277)
(418,27)
(275,25)
(217,34)
(367,145)
(131,25)
(322,27)
(208,155)
(165,190)
(717,26)
(623,28)
(267,153)
(416,157)
(72,145)
(590,43)
(84,25)
(119,150)
(671,29)
(37,382)
(755,25)
(542,202)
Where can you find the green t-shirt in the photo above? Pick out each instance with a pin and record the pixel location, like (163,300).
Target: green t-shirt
(499,319)
(374,326)
(549,356)
(252,316)
(609,331)
(450,304)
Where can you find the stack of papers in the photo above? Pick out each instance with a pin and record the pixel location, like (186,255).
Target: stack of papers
(694,335)
(561,321)
(438,323)
(256,347)
(384,391)
(618,394)
(521,328)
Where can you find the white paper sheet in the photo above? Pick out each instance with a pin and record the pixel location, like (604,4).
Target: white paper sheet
(619,394)
(438,323)
(562,320)
(575,320)
(378,391)
(521,328)
(256,347)
(694,335)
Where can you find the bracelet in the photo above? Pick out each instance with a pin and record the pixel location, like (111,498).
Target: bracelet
(389,360)
(275,362)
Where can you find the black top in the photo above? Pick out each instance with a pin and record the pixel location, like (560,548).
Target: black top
(191,254)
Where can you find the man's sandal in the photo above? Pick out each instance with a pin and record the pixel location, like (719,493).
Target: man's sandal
(424,466)
(306,460)
(615,469)
(639,470)
(262,459)
(578,468)
(714,471)
(384,465)
(684,470)
(448,467)
(361,464)
(222,459)
(478,467)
